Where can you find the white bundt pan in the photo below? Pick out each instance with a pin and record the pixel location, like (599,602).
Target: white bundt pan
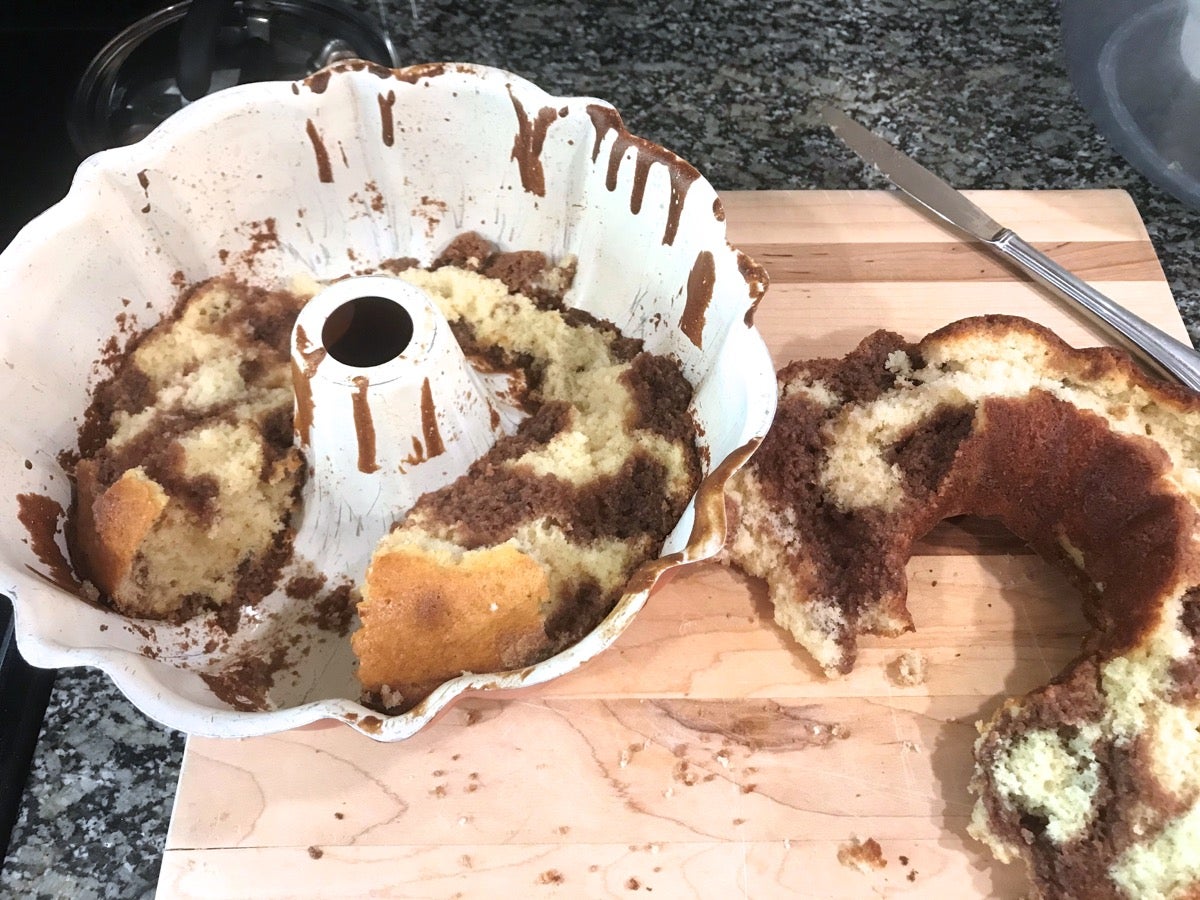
(317,179)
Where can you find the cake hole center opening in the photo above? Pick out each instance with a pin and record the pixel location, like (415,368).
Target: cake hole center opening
(367,331)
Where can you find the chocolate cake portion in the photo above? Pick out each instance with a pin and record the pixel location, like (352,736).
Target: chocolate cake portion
(525,272)
(1092,780)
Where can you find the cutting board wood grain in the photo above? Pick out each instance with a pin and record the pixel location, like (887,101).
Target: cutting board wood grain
(704,755)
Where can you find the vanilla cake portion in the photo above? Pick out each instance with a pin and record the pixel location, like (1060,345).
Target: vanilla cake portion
(1093,781)
(187,479)
(553,520)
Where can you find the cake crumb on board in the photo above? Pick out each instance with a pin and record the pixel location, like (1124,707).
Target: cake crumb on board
(909,669)
(865,856)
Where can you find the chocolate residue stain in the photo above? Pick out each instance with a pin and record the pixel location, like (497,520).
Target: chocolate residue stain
(429,426)
(318,81)
(757,724)
(387,117)
(683,774)
(415,458)
(264,236)
(371,724)
(699,294)
(413,74)
(43,518)
(681,174)
(301,384)
(335,610)
(329,610)
(144,181)
(302,423)
(315,852)
(864,856)
(718,209)
(364,425)
(324,169)
(431,210)
(528,143)
(244,683)
(757,280)
(377,202)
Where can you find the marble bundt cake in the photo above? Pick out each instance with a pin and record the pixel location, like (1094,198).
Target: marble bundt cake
(1093,780)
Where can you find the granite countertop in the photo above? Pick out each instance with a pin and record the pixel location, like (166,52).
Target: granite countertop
(976,91)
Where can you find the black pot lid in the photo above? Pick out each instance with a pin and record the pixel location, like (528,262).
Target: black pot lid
(143,74)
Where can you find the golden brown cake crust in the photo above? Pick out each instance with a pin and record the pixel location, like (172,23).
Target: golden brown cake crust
(431,618)
(111,524)
(1092,779)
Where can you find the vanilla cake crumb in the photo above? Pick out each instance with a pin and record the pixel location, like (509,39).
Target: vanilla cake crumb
(909,669)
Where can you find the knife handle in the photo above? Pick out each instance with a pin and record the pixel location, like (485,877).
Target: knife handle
(1164,353)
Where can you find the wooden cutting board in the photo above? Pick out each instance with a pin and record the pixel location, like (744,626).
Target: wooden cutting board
(704,755)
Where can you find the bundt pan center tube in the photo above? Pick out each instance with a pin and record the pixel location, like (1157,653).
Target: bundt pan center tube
(387,409)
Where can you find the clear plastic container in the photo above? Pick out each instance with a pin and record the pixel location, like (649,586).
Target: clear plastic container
(1135,65)
(132,84)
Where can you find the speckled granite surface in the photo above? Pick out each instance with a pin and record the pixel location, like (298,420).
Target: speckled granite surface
(975,90)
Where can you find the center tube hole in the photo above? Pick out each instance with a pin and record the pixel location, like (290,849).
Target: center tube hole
(367,331)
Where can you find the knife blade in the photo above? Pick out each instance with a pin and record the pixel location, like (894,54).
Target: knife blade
(1158,350)
(915,180)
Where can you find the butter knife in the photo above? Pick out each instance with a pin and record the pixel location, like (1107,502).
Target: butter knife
(1154,347)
